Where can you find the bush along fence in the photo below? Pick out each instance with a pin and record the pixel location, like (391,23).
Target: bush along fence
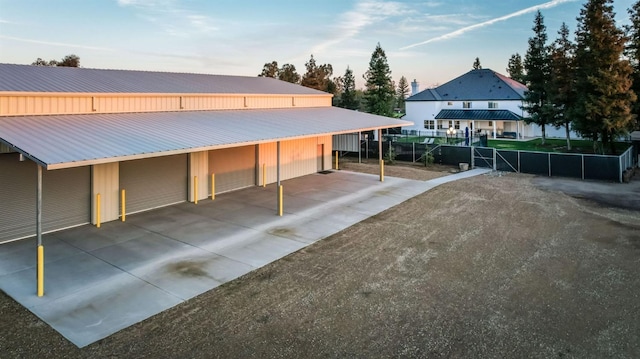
(582,166)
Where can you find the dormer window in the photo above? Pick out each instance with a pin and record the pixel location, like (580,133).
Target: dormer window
(493,104)
(466,104)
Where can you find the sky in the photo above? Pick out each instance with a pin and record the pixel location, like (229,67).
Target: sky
(431,41)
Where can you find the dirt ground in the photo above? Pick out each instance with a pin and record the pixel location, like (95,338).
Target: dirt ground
(491,266)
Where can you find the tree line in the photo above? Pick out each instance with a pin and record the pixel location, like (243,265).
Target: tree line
(381,96)
(587,84)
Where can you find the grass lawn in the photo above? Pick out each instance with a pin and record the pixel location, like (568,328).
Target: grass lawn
(551,145)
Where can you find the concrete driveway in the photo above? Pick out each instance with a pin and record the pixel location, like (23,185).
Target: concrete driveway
(101,280)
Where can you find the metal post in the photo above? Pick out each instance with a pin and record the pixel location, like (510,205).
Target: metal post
(123,202)
(380,155)
(495,164)
(40,247)
(582,166)
(213,186)
(279,201)
(549,163)
(413,153)
(359,147)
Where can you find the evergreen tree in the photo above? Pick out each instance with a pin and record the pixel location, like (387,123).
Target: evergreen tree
(288,73)
(561,82)
(348,96)
(515,68)
(602,110)
(379,92)
(476,64)
(401,93)
(633,53)
(536,65)
(318,77)
(270,69)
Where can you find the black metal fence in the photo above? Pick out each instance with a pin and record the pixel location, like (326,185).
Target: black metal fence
(583,166)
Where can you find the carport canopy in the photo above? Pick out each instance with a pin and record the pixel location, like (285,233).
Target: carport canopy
(64,141)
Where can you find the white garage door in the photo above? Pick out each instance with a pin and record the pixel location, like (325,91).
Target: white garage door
(234,168)
(66,197)
(154,182)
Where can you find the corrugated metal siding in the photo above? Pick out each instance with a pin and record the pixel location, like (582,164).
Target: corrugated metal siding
(91,139)
(234,168)
(65,198)
(312,101)
(297,158)
(199,166)
(154,182)
(346,142)
(26,78)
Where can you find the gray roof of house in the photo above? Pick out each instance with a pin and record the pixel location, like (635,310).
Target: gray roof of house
(483,115)
(77,140)
(28,78)
(475,85)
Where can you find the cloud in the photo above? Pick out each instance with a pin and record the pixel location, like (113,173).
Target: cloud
(175,20)
(364,14)
(53,43)
(464,30)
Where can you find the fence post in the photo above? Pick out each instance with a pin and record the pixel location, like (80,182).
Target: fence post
(519,171)
(413,154)
(620,168)
(495,164)
(549,162)
(472,163)
(582,166)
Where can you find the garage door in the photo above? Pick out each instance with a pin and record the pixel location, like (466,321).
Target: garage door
(66,198)
(154,182)
(234,168)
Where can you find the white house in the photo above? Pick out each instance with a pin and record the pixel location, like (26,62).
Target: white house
(480,101)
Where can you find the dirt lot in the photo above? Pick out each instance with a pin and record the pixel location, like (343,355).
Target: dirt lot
(491,266)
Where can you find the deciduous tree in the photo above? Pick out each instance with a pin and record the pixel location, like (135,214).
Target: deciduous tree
(270,69)
(476,64)
(317,77)
(288,73)
(67,61)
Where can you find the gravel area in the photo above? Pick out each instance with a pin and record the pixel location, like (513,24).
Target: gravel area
(492,266)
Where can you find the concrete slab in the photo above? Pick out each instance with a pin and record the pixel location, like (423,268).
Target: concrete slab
(99,281)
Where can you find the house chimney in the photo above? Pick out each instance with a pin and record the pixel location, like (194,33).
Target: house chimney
(415,87)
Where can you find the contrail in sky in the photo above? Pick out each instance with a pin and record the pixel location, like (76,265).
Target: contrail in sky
(459,32)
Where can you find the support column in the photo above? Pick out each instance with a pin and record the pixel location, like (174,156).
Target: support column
(359,147)
(380,155)
(40,247)
(495,129)
(279,186)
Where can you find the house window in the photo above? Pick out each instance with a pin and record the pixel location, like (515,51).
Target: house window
(454,124)
(429,124)
(449,103)
(440,127)
(490,123)
(466,104)
(493,104)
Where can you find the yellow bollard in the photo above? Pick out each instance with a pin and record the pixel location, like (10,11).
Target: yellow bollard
(40,271)
(213,186)
(264,175)
(381,170)
(123,202)
(195,189)
(98,210)
(280,204)
(337,160)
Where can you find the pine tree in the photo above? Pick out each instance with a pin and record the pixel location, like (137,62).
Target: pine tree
(401,93)
(515,68)
(561,95)
(476,64)
(633,53)
(602,110)
(536,65)
(379,90)
(348,96)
